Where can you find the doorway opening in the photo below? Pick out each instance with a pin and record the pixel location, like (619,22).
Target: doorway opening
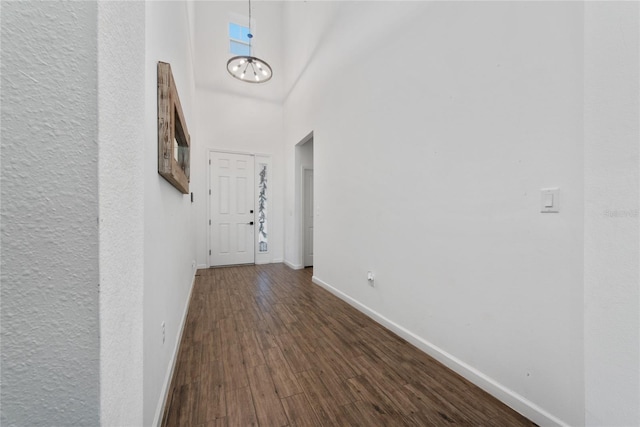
(305,205)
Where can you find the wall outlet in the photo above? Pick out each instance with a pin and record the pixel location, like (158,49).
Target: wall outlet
(371,278)
(163,332)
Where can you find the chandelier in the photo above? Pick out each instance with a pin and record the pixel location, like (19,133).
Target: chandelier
(248,68)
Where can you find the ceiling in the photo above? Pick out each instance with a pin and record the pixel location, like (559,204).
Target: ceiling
(211,46)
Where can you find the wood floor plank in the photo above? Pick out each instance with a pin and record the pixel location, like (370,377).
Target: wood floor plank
(265,338)
(283,378)
(363,413)
(264,346)
(240,409)
(366,391)
(244,320)
(294,355)
(211,400)
(323,404)
(218,422)
(299,411)
(267,404)
(211,346)
(228,330)
(186,405)
(235,374)
(251,350)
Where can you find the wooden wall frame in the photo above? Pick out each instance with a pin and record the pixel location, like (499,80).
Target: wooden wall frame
(174,142)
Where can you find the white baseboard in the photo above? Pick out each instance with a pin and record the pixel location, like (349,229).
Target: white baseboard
(172,363)
(201,266)
(488,384)
(278,261)
(293,266)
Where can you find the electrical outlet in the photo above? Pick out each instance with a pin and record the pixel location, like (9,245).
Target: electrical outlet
(163,332)
(371,278)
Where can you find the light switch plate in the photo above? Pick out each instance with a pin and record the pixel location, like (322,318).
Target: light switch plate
(550,200)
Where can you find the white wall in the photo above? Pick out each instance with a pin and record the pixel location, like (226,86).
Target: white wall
(236,116)
(434,131)
(121,118)
(49,267)
(246,125)
(612,132)
(169,226)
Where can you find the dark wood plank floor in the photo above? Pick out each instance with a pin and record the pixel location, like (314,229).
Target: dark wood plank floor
(263,346)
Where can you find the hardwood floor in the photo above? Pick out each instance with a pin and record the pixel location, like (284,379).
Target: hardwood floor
(263,346)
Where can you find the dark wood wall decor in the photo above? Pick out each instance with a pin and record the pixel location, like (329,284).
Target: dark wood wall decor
(173,137)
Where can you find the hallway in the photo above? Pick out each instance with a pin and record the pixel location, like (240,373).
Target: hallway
(265,346)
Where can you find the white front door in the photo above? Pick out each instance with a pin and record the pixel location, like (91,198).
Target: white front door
(308,217)
(232,218)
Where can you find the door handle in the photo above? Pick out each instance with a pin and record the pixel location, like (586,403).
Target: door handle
(250,223)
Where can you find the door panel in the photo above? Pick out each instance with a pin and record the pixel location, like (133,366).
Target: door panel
(232,192)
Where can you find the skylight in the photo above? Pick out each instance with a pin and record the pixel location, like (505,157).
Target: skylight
(239,40)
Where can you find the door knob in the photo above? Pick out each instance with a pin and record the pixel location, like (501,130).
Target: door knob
(250,223)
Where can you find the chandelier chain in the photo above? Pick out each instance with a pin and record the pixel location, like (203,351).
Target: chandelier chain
(250,33)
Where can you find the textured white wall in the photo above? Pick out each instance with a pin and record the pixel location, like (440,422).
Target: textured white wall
(49,296)
(612,135)
(435,127)
(121,90)
(169,216)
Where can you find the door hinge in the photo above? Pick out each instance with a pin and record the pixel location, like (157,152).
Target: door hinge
(209,222)
(209,251)
(209,161)
(209,192)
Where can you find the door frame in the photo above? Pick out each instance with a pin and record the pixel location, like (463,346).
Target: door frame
(298,203)
(303,193)
(259,158)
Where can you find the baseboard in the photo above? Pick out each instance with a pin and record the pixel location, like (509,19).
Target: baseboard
(201,266)
(488,384)
(172,363)
(277,261)
(293,266)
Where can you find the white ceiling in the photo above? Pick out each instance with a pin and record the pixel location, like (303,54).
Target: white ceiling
(211,46)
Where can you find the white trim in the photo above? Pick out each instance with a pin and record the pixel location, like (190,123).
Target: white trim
(298,224)
(302,230)
(488,384)
(277,261)
(248,153)
(306,139)
(208,218)
(292,265)
(172,363)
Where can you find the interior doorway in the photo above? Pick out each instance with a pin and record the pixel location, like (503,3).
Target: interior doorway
(307,218)
(306,200)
